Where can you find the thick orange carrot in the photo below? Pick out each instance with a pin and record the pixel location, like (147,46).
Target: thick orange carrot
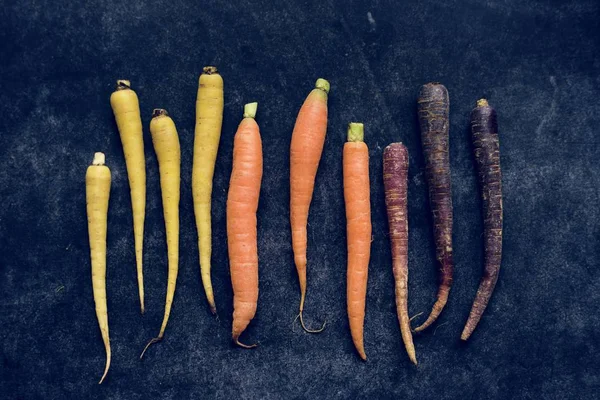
(358,229)
(308,139)
(242,203)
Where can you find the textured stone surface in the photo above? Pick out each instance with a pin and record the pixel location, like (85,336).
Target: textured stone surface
(538,64)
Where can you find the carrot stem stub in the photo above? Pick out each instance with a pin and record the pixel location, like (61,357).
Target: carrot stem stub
(484,128)
(433,106)
(395,181)
(358,229)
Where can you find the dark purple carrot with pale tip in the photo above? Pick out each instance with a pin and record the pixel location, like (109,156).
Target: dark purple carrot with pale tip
(433,106)
(395,181)
(484,128)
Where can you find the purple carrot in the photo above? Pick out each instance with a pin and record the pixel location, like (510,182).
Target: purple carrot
(395,181)
(484,128)
(433,106)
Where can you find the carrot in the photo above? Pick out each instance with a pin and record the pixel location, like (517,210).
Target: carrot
(484,127)
(126,108)
(209,117)
(242,203)
(166,146)
(358,229)
(97,193)
(433,117)
(308,139)
(395,181)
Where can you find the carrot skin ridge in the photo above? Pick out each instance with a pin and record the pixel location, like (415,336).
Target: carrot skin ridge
(308,139)
(97,183)
(357,201)
(484,128)
(395,181)
(433,111)
(242,205)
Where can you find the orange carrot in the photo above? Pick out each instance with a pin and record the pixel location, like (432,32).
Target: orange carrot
(358,216)
(308,139)
(242,203)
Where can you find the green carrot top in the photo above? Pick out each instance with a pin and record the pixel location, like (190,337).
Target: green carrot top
(482,103)
(250,110)
(323,85)
(356,132)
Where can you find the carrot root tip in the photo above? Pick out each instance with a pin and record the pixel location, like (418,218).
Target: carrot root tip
(236,340)
(310,330)
(150,343)
(415,316)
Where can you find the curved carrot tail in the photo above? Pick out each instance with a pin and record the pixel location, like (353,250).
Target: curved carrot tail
(108,357)
(236,340)
(150,343)
(442,298)
(479,305)
(402,305)
(302,298)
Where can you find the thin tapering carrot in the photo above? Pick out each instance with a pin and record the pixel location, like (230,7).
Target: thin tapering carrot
(357,199)
(97,193)
(242,203)
(395,181)
(484,127)
(126,108)
(308,139)
(209,117)
(434,106)
(166,146)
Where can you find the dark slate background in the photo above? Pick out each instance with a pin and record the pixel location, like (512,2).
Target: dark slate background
(537,62)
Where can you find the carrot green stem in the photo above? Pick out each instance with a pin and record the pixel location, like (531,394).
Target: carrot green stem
(356,132)
(157,112)
(482,103)
(99,159)
(250,110)
(123,84)
(210,70)
(323,85)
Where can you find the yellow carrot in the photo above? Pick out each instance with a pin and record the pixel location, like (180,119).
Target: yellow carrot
(209,117)
(166,146)
(126,108)
(97,193)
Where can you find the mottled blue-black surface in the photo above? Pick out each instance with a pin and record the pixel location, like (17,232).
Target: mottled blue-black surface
(538,63)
